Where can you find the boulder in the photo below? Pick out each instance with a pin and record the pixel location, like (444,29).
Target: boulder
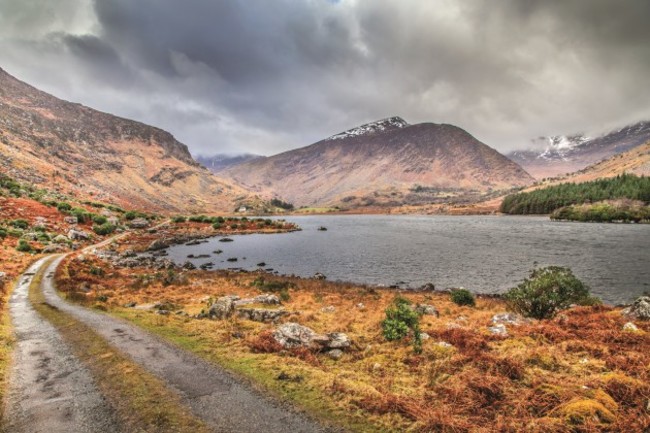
(291,335)
(499,329)
(139,223)
(3,278)
(319,276)
(70,220)
(337,340)
(631,327)
(508,319)
(261,314)
(640,309)
(427,310)
(328,309)
(223,307)
(189,266)
(267,298)
(158,244)
(428,287)
(75,235)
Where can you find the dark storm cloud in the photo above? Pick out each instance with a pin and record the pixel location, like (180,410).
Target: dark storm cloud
(262,76)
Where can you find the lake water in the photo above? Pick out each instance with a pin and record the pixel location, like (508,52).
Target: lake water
(486,254)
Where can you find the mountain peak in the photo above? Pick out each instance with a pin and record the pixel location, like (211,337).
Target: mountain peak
(387,124)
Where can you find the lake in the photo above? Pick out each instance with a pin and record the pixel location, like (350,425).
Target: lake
(486,254)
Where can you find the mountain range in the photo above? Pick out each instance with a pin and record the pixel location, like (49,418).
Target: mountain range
(47,141)
(560,155)
(382,162)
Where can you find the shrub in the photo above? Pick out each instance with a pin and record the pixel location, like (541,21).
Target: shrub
(19,224)
(130,215)
(179,219)
(216,226)
(63,206)
(23,246)
(462,297)
(104,229)
(99,219)
(547,291)
(3,233)
(400,319)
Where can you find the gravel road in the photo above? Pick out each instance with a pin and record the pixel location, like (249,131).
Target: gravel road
(213,395)
(49,390)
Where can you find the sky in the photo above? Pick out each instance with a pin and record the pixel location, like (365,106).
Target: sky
(263,77)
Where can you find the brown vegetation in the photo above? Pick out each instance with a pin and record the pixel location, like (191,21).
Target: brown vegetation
(578,372)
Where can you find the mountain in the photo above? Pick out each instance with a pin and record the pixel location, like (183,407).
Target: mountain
(384,162)
(567,154)
(220,162)
(47,141)
(632,161)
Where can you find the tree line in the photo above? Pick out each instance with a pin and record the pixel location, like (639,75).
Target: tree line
(546,200)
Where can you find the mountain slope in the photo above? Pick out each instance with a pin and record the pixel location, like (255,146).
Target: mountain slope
(567,154)
(388,157)
(48,141)
(219,162)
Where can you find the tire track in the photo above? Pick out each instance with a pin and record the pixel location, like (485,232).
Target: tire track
(49,390)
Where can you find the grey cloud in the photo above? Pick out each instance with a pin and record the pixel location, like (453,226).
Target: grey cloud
(268,76)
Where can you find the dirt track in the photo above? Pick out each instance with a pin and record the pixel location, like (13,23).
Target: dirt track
(212,394)
(49,390)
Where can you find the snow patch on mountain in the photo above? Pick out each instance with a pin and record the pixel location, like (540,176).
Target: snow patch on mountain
(388,124)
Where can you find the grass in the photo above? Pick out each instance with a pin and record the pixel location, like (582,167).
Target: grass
(6,342)
(545,376)
(142,401)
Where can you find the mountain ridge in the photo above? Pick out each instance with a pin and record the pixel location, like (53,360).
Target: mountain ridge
(46,140)
(566,154)
(386,161)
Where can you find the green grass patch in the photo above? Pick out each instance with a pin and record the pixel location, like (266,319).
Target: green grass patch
(258,369)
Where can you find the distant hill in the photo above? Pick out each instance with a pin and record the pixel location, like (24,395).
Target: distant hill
(47,141)
(566,154)
(219,162)
(385,162)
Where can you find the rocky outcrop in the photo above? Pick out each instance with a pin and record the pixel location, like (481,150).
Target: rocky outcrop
(223,307)
(75,235)
(426,310)
(292,335)
(261,314)
(139,223)
(640,309)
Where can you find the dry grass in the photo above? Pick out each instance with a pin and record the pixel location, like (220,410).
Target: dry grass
(579,372)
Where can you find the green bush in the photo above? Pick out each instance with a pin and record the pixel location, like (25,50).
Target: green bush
(3,232)
(216,226)
(548,291)
(179,219)
(24,246)
(130,215)
(99,219)
(63,206)
(400,318)
(19,224)
(462,297)
(104,229)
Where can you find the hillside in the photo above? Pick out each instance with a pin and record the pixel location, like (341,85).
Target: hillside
(560,155)
(47,141)
(219,162)
(388,162)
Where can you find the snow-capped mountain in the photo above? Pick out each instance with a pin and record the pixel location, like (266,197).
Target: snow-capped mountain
(387,124)
(561,154)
